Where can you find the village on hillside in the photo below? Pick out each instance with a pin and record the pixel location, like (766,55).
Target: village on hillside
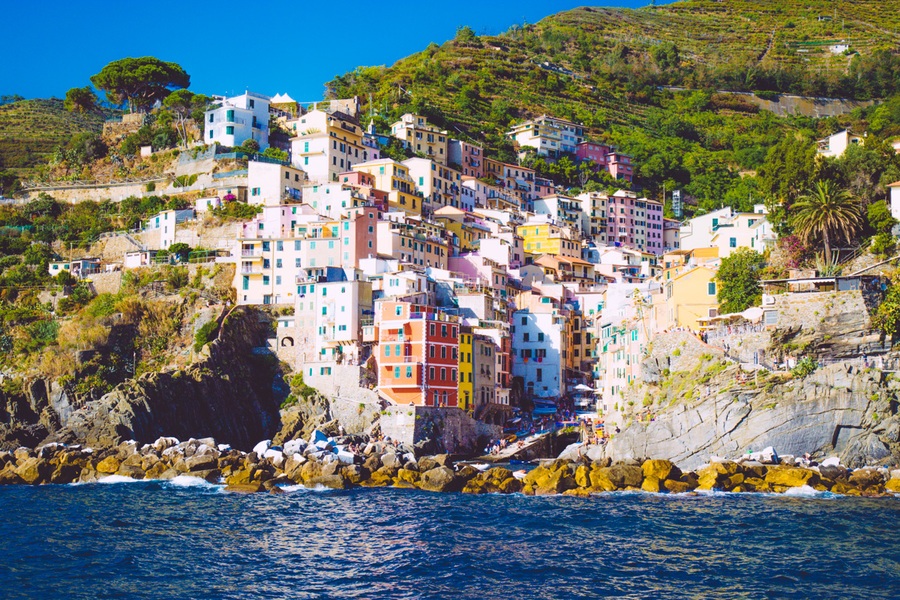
(451,279)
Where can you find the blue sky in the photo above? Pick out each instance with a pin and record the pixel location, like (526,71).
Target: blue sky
(227,46)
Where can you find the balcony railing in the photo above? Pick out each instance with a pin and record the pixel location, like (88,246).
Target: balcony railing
(251,253)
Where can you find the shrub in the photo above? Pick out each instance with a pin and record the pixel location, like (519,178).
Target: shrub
(205,334)
(804,367)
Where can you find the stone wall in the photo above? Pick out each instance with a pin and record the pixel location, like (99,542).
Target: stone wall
(106,283)
(450,430)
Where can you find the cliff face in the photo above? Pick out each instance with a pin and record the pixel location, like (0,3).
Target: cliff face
(227,394)
(694,403)
(843,409)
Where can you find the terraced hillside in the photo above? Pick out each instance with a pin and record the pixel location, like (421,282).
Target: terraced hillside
(602,66)
(30,130)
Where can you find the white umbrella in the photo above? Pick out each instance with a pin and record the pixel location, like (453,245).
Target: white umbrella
(583,388)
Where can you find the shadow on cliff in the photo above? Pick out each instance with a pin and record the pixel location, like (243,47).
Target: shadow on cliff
(226,394)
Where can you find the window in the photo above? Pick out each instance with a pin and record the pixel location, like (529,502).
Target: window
(430,351)
(443,374)
(431,374)
(396,372)
(732,243)
(526,337)
(408,372)
(443,353)
(539,375)
(540,337)
(229,130)
(431,329)
(398,310)
(387,350)
(711,288)
(278,262)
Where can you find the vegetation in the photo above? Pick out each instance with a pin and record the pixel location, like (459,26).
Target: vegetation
(827,212)
(140,82)
(738,281)
(31,130)
(205,334)
(80,99)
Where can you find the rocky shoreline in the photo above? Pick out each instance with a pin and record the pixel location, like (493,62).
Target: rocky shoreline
(267,468)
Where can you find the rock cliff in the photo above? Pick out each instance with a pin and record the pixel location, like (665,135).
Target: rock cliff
(843,409)
(694,402)
(226,394)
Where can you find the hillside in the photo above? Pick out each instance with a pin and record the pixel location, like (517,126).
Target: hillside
(602,65)
(649,82)
(30,130)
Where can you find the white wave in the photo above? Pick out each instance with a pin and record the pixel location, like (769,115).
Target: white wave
(803,491)
(117,479)
(188,481)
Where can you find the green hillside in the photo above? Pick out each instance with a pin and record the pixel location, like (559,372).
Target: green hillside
(30,130)
(618,72)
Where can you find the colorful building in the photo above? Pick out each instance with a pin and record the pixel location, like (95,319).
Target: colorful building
(417,354)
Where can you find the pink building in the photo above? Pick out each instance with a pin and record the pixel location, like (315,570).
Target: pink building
(635,223)
(617,164)
(468,157)
(593,152)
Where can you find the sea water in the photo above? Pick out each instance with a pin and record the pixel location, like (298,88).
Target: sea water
(184,540)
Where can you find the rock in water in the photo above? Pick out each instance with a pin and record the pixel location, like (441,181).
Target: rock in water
(438,479)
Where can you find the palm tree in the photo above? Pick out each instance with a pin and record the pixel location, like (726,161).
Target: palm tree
(826,211)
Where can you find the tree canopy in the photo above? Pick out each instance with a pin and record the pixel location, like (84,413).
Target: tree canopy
(829,212)
(80,99)
(738,277)
(140,81)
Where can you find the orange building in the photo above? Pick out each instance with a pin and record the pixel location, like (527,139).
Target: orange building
(417,354)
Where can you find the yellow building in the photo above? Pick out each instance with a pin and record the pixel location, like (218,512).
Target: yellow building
(546,238)
(465,226)
(691,296)
(466,370)
(393,178)
(422,137)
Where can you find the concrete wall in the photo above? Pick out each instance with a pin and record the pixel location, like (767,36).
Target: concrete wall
(450,429)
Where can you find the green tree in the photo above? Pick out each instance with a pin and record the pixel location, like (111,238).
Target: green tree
(828,212)
(880,218)
(80,99)
(738,278)
(140,81)
(887,316)
(184,105)
(789,167)
(275,153)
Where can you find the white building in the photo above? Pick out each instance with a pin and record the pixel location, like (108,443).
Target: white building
(328,316)
(232,121)
(271,184)
(539,346)
(837,144)
(894,199)
(623,335)
(548,135)
(166,222)
(327,144)
(728,230)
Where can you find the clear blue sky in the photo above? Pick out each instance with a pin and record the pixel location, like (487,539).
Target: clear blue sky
(227,46)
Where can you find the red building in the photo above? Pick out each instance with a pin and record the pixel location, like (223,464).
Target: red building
(417,354)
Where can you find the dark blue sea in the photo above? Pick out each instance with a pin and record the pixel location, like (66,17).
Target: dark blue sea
(163,540)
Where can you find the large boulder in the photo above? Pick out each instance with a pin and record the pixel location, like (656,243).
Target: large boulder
(108,465)
(330,481)
(791,476)
(552,479)
(600,479)
(201,462)
(34,470)
(438,479)
(623,475)
(866,478)
(660,469)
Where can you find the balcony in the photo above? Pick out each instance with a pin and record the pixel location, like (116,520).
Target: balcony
(398,360)
(251,253)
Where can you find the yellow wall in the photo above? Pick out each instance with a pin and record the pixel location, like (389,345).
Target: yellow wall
(690,299)
(466,378)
